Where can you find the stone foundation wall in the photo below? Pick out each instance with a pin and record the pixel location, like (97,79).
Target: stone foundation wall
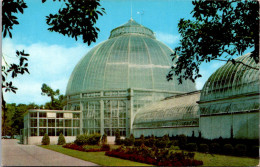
(36,140)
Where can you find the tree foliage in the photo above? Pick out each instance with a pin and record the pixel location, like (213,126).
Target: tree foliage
(61,140)
(78,18)
(219,28)
(9,8)
(12,118)
(55,103)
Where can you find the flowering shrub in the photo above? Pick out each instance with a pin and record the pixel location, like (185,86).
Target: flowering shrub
(155,156)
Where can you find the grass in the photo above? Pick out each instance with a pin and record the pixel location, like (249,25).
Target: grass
(223,160)
(101,159)
(95,157)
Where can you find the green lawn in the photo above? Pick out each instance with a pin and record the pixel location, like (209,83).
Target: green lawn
(95,157)
(101,159)
(222,160)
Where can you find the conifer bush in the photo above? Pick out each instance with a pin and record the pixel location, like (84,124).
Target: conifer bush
(132,138)
(117,139)
(45,139)
(61,139)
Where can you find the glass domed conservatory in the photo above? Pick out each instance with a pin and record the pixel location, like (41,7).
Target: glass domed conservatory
(117,77)
(227,106)
(229,102)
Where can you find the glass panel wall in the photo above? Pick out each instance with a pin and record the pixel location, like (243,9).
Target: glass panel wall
(115,117)
(91,117)
(55,125)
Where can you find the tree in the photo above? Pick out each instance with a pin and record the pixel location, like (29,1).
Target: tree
(219,29)
(56,103)
(75,20)
(61,140)
(45,139)
(7,119)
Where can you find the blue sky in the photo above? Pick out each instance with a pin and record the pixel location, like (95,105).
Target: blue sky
(53,56)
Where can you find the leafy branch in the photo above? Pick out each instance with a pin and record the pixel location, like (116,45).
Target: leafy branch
(219,28)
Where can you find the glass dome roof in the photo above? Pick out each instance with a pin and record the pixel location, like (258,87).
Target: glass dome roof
(130,58)
(232,80)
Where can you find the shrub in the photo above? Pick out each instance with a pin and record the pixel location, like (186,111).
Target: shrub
(214,148)
(191,147)
(166,138)
(228,149)
(132,138)
(104,139)
(128,142)
(94,139)
(142,137)
(81,139)
(160,143)
(87,139)
(61,139)
(254,151)
(240,149)
(182,141)
(45,139)
(138,142)
(117,139)
(203,148)
(105,147)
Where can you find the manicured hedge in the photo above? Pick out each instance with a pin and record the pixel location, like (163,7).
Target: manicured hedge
(84,139)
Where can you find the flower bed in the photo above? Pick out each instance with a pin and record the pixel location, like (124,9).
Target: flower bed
(86,148)
(160,157)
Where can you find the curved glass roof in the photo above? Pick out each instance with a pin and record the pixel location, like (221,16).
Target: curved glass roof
(178,108)
(131,58)
(232,79)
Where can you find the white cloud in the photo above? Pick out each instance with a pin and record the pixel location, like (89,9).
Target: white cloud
(167,38)
(50,64)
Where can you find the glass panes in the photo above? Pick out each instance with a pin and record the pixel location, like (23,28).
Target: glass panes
(68,123)
(76,123)
(42,122)
(51,122)
(33,131)
(59,123)
(51,131)
(42,131)
(33,114)
(42,114)
(115,116)
(68,132)
(33,123)
(76,131)
(59,115)
(59,130)
(76,115)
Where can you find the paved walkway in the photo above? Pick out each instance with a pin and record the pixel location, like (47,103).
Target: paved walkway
(14,154)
